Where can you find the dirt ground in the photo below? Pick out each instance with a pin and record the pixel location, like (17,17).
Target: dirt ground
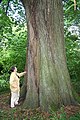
(4,105)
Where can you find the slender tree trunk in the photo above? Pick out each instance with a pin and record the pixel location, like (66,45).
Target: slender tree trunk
(48,81)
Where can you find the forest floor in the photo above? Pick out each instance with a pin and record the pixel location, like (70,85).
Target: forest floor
(18,113)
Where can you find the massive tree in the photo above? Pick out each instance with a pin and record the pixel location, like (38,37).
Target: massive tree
(48,81)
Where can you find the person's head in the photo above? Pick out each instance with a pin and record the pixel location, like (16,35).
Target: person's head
(13,69)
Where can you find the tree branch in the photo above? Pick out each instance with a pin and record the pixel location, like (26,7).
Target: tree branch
(74,4)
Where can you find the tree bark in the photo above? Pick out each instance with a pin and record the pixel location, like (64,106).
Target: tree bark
(48,81)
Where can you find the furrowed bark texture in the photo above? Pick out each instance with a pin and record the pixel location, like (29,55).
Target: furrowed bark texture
(48,82)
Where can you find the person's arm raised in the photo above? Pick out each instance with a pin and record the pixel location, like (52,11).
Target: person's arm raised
(21,74)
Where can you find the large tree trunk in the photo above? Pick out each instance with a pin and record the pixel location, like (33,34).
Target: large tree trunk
(48,81)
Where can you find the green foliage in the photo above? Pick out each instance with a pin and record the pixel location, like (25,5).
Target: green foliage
(75,94)
(71,16)
(59,115)
(3,84)
(75,117)
(13,52)
(13,44)
(17,49)
(73,59)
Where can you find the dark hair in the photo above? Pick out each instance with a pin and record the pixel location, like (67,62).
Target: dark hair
(12,69)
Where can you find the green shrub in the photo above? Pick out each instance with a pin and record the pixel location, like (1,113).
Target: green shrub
(4,83)
(75,117)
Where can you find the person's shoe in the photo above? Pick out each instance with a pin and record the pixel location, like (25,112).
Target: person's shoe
(12,106)
(16,103)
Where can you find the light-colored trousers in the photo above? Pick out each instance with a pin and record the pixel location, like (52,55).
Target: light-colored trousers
(14,98)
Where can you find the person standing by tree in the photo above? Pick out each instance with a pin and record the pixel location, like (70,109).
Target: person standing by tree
(14,86)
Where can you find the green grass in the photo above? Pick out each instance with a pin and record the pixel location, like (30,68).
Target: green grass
(75,117)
